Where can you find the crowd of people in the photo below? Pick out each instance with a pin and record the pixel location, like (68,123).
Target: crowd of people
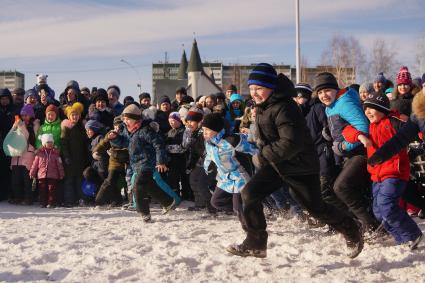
(348,157)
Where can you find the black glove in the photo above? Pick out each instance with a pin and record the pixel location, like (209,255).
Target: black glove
(375,159)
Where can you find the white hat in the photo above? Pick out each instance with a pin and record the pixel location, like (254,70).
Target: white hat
(45,138)
(41,78)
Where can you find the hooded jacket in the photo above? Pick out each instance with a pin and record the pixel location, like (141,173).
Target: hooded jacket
(146,147)
(53,128)
(397,166)
(407,133)
(346,110)
(47,164)
(285,140)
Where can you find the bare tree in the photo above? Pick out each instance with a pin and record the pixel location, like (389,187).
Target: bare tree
(383,58)
(304,65)
(420,56)
(344,57)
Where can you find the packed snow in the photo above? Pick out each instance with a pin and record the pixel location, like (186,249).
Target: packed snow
(91,245)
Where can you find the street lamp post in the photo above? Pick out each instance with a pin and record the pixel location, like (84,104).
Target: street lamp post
(297,41)
(139,84)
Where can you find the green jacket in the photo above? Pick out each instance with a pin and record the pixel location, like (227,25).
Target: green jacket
(53,128)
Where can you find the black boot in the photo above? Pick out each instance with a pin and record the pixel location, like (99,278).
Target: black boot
(352,233)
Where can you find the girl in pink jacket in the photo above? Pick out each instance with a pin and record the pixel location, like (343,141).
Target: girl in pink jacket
(21,192)
(48,169)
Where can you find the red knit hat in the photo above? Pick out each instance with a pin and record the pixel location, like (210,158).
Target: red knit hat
(403,76)
(53,108)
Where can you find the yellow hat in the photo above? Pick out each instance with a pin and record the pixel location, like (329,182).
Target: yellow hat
(76,107)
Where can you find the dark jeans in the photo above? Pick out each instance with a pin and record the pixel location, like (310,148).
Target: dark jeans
(147,188)
(109,191)
(72,189)
(350,187)
(48,191)
(223,200)
(176,176)
(5,176)
(199,185)
(21,183)
(305,190)
(413,196)
(397,222)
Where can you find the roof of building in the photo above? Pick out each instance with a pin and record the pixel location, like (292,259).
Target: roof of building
(195,63)
(182,74)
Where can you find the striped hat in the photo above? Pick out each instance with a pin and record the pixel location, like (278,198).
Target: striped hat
(194,114)
(303,90)
(263,75)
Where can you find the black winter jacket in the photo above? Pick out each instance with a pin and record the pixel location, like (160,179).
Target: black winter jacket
(285,140)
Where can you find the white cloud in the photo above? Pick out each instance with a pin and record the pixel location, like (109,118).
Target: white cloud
(58,29)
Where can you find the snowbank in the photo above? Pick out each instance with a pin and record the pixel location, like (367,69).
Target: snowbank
(88,245)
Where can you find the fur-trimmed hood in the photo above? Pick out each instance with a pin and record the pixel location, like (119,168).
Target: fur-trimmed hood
(418,106)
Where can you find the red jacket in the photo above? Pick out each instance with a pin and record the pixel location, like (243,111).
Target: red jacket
(379,133)
(47,164)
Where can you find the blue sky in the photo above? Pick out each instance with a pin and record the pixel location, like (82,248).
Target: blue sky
(85,40)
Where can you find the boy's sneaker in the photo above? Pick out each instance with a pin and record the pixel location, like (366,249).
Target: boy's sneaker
(421,214)
(146,218)
(244,251)
(172,206)
(50,206)
(413,245)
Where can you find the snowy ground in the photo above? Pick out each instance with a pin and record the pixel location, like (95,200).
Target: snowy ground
(88,245)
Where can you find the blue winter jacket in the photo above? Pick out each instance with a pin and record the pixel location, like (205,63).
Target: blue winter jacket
(231,176)
(346,110)
(145,147)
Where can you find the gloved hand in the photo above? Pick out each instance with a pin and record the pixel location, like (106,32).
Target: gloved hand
(337,148)
(258,160)
(154,126)
(96,155)
(67,161)
(327,134)
(375,159)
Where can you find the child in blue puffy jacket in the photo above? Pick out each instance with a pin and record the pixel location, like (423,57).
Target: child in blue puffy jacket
(343,108)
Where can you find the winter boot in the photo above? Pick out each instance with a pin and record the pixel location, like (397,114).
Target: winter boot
(352,233)
(244,251)
(413,245)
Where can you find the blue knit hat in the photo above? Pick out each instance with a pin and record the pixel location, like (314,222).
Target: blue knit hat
(263,75)
(423,79)
(30,92)
(380,78)
(235,97)
(94,125)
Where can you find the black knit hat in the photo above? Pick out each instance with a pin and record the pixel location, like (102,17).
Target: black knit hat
(377,101)
(213,121)
(325,80)
(263,75)
(164,99)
